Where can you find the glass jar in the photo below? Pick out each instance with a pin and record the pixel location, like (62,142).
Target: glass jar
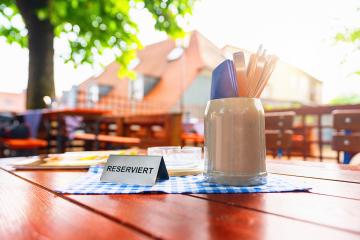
(235,148)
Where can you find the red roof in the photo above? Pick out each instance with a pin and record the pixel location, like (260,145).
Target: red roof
(175,75)
(153,58)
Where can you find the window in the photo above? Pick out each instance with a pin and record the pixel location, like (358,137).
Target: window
(104,90)
(93,93)
(142,86)
(175,54)
(97,91)
(149,83)
(136,89)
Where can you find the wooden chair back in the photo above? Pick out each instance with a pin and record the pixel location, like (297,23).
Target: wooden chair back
(150,130)
(347,133)
(278,132)
(154,130)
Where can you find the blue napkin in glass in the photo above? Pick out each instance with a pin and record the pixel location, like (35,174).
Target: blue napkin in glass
(224,83)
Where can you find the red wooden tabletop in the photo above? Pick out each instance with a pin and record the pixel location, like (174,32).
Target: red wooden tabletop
(30,209)
(76,112)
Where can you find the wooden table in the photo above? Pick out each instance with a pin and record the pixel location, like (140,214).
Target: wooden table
(30,209)
(93,115)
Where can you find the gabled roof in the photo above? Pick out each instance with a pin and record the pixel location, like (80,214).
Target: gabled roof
(210,54)
(175,75)
(108,77)
(200,54)
(153,58)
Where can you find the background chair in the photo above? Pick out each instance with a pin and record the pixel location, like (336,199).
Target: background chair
(15,137)
(154,130)
(278,131)
(347,133)
(141,131)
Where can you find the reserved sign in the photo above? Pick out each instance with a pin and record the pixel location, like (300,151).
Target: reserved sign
(141,170)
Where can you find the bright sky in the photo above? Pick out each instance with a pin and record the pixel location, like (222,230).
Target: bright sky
(299,32)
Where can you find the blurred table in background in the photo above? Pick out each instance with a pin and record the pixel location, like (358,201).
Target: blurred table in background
(60,123)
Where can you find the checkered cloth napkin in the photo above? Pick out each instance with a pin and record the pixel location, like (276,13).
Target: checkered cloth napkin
(90,184)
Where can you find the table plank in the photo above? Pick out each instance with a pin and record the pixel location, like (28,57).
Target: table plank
(319,186)
(333,174)
(29,212)
(193,218)
(324,165)
(320,209)
(84,112)
(166,214)
(328,187)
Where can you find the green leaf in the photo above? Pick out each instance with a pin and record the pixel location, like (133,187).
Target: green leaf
(99,25)
(340,37)
(355,35)
(42,14)
(346,99)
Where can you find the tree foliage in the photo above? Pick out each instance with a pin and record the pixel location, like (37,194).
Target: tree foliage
(346,99)
(91,26)
(350,36)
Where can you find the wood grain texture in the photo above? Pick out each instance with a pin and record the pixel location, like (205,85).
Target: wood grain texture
(347,119)
(321,165)
(180,216)
(331,173)
(247,216)
(334,212)
(29,212)
(331,188)
(106,138)
(84,112)
(344,142)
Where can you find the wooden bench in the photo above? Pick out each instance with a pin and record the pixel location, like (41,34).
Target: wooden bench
(27,145)
(58,125)
(107,138)
(142,131)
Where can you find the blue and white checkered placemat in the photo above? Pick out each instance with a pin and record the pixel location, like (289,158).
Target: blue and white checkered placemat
(90,184)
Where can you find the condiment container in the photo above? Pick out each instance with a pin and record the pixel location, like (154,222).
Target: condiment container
(235,148)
